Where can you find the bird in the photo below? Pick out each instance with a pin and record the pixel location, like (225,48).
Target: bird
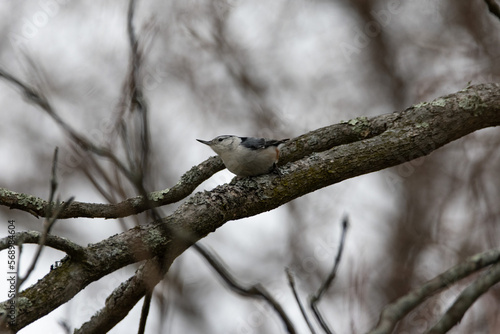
(247,156)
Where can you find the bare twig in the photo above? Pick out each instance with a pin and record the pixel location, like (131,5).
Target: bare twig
(65,326)
(139,165)
(9,77)
(36,97)
(145,311)
(291,281)
(331,276)
(133,43)
(455,313)
(493,7)
(254,291)
(53,184)
(48,223)
(394,312)
(137,101)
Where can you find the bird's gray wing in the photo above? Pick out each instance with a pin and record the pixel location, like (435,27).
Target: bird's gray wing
(260,143)
(253,143)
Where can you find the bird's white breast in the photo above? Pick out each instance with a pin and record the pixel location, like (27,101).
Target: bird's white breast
(246,162)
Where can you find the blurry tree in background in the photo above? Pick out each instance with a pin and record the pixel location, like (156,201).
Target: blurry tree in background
(123,91)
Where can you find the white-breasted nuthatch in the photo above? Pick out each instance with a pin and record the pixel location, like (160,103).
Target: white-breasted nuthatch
(246,156)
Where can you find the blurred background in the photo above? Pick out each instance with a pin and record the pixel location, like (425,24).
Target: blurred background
(275,69)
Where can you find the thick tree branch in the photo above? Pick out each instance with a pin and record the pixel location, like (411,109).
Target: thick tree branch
(412,133)
(315,141)
(123,299)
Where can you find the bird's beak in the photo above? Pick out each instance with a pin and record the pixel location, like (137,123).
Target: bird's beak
(204,142)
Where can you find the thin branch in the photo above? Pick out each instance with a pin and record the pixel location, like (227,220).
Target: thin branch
(53,184)
(331,276)
(394,312)
(493,7)
(456,312)
(9,77)
(47,225)
(92,170)
(131,206)
(254,291)
(291,281)
(145,311)
(132,38)
(34,237)
(133,91)
(36,97)
(138,104)
(65,326)
(49,222)
(240,69)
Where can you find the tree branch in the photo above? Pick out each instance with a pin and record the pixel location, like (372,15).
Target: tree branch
(139,165)
(53,241)
(186,185)
(291,281)
(328,281)
(315,141)
(396,311)
(254,291)
(409,134)
(52,212)
(456,312)
(36,97)
(123,299)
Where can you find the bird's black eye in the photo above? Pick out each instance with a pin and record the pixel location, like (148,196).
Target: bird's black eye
(220,139)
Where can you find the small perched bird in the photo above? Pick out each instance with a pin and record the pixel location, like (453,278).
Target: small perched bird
(246,156)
